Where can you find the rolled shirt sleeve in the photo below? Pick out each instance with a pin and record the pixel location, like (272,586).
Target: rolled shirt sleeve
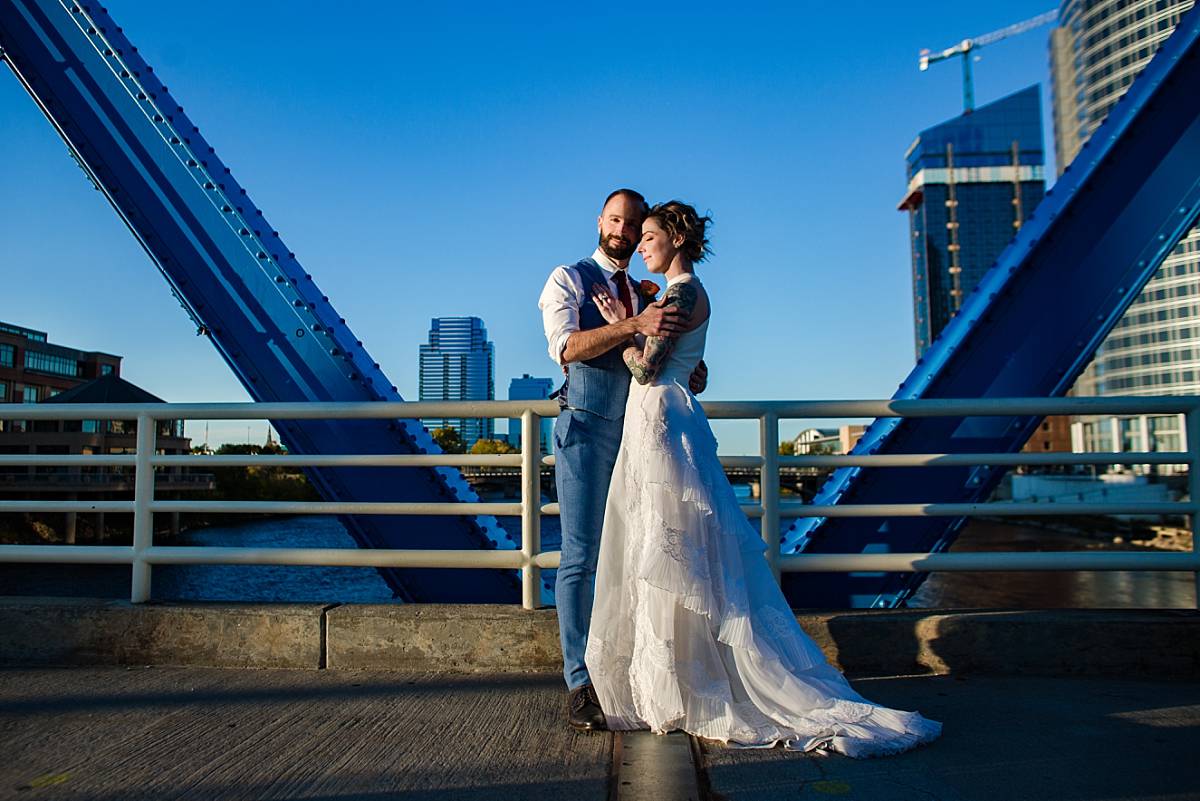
(559,303)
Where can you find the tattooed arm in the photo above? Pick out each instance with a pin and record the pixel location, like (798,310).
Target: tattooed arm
(645,363)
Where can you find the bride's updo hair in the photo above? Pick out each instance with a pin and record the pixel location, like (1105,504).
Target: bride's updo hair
(679,219)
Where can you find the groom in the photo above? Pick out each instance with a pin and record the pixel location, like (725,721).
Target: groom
(587,432)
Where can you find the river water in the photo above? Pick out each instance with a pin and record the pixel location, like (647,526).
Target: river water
(364,585)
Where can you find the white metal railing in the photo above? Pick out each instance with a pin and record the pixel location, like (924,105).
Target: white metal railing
(530,559)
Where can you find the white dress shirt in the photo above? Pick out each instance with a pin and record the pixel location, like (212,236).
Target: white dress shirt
(565,293)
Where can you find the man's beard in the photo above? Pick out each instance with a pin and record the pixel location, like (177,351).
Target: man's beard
(615,249)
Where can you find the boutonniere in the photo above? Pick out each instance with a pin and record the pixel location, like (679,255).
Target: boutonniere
(648,290)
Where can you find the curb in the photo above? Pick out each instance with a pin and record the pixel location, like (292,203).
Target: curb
(475,638)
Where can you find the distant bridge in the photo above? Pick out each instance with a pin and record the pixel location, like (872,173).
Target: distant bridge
(505,482)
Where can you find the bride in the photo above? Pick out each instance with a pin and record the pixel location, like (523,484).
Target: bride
(689,628)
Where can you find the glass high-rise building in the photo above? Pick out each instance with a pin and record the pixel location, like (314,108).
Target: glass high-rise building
(459,364)
(1097,51)
(529,388)
(972,181)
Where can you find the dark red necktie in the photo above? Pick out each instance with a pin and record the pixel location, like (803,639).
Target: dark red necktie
(623,292)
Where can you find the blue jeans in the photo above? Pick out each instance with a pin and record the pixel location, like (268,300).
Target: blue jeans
(585,450)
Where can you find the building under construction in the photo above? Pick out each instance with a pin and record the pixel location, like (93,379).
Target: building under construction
(972,181)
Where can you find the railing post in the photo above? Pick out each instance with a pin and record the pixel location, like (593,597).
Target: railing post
(769,487)
(531,508)
(143,518)
(1192,434)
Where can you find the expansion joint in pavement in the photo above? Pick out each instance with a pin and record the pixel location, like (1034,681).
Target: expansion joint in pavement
(652,767)
(323,641)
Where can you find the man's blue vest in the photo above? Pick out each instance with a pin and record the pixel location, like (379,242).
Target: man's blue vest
(599,385)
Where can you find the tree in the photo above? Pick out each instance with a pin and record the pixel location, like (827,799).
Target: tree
(261,482)
(787,448)
(492,446)
(448,440)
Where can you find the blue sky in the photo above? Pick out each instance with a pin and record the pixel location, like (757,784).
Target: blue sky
(441,159)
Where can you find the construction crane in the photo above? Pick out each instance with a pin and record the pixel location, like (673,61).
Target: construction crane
(967,46)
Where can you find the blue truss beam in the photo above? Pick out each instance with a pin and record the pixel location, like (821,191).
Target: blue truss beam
(1030,327)
(237,279)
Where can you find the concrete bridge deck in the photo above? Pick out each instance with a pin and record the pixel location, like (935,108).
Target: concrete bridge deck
(108,701)
(127,734)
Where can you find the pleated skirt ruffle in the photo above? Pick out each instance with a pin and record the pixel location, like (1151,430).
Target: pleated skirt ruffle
(689,629)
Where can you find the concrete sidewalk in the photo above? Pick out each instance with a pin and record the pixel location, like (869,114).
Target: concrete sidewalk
(126,734)
(113,734)
(1005,738)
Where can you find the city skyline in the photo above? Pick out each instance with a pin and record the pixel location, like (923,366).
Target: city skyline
(795,153)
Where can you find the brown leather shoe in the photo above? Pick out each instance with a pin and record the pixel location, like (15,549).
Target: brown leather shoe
(583,710)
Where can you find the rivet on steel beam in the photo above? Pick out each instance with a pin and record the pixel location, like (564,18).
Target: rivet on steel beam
(297,303)
(299,332)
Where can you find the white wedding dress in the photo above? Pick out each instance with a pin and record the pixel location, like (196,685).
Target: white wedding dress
(689,629)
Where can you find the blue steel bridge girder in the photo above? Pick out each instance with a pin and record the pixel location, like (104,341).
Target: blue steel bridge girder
(1030,327)
(239,282)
